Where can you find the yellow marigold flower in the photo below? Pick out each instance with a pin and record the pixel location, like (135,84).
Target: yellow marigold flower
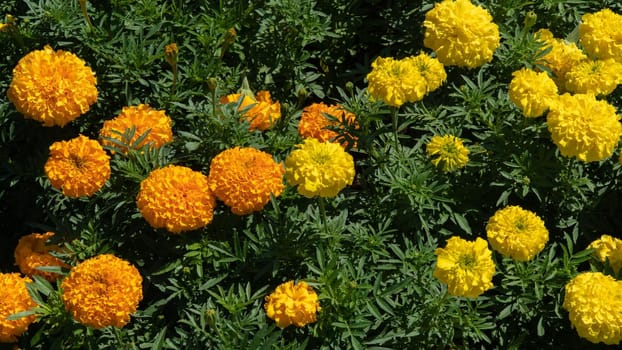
(517,233)
(562,57)
(583,127)
(31,252)
(608,248)
(78,167)
(319,168)
(143,119)
(14,298)
(431,69)
(52,87)
(594,304)
(466,267)
(261,111)
(599,77)
(461,33)
(102,291)
(291,303)
(176,198)
(395,81)
(244,178)
(449,152)
(314,122)
(600,34)
(532,92)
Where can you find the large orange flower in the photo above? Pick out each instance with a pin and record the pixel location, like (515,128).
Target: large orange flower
(315,122)
(14,298)
(260,111)
(31,252)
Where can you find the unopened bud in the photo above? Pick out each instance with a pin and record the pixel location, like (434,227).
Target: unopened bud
(171,52)
(530,20)
(212,84)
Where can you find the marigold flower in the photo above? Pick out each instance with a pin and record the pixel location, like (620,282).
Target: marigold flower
(532,92)
(102,291)
(261,112)
(315,123)
(52,87)
(14,298)
(450,152)
(517,233)
(244,178)
(561,57)
(291,303)
(600,34)
(176,198)
(431,69)
(31,252)
(461,33)
(466,267)
(608,248)
(170,54)
(599,77)
(143,119)
(395,81)
(583,127)
(594,304)
(319,168)
(78,167)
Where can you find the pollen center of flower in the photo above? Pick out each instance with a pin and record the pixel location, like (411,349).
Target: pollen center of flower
(320,157)
(450,148)
(76,161)
(466,260)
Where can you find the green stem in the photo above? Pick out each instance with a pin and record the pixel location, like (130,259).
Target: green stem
(394,111)
(322,207)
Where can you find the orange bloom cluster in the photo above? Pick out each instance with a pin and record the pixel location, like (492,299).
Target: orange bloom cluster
(31,252)
(14,298)
(78,167)
(291,303)
(176,198)
(260,111)
(52,87)
(315,123)
(244,179)
(102,291)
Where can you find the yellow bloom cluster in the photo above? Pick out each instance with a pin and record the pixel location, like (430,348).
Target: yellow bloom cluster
(517,233)
(102,291)
(14,298)
(532,92)
(561,57)
(600,34)
(78,167)
(176,198)
(314,122)
(594,304)
(583,127)
(598,77)
(31,252)
(449,152)
(244,179)
(466,267)
(52,87)
(461,33)
(260,111)
(319,168)
(143,119)
(608,248)
(292,304)
(408,80)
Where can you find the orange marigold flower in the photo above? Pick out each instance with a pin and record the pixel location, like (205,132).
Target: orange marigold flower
(244,178)
(102,291)
(315,123)
(52,87)
(78,167)
(143,119)
(176,198)
(14,298)
(260,111)
(31,252)
(291,303)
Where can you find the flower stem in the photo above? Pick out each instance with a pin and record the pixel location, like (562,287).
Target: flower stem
(322,207)
(394,111)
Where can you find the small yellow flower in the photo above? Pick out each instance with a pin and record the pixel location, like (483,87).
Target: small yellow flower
(395,81)
(31,252)
(517,233)
(292,304)
(14,298)
(561,57)
(600,34)
(261,112)
(449,152)
(532,92)
(608,248)
(598,77)
(431,70)
(466,267)
(314,122)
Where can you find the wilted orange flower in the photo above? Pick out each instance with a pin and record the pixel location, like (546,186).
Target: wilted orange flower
(315,123)
(32,252)
(244,178)
(143,119)
(176,198)
(102,291)
(260,111)
(53,87)
(78,167)
(14,298)
(291,303)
